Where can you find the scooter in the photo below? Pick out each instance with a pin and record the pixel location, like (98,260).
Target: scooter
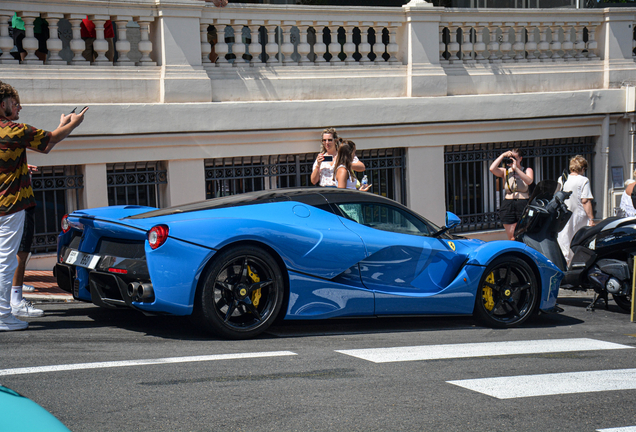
(603,254)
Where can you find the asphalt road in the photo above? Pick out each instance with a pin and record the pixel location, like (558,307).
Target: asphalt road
(101,370)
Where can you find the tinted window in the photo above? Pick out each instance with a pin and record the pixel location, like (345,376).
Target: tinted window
(385,217)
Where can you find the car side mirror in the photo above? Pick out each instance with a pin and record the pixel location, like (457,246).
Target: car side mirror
(452,220)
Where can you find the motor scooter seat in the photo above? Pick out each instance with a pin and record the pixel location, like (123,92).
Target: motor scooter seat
(586,233)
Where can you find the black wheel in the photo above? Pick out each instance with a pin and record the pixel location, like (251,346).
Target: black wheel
(241,293)
(507,294)
(623,302)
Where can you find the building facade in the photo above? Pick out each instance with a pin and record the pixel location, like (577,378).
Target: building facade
(201,101)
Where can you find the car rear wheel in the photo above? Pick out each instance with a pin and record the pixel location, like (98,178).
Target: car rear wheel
(242,293)
(507,294)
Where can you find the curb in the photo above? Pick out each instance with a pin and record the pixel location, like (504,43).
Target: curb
(49,298)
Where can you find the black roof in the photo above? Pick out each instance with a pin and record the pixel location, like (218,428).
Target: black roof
(314,196)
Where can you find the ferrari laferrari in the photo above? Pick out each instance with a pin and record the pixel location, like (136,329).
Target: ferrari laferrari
(236,264)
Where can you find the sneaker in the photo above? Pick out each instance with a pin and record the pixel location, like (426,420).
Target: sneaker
(28,288)
(10,323)
(25,309)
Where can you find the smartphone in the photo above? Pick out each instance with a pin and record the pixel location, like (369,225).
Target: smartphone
(73,112)
(328,158)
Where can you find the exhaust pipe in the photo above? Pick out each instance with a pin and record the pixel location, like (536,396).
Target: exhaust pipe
(133,289)
(145,291)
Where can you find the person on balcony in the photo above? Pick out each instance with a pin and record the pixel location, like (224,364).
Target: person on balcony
(517,181)
(88,33)
(322,172)
(16,194)
(40,31)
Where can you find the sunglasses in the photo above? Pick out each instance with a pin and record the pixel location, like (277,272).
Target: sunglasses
(327,140)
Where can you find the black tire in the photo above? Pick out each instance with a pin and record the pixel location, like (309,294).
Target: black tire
(241,293)
(623,302)
(507,294)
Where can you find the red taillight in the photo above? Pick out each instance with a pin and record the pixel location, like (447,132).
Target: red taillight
(65,225)
(158,236)
(116,270)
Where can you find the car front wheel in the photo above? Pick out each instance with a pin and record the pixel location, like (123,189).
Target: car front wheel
(242,293)
(507,294)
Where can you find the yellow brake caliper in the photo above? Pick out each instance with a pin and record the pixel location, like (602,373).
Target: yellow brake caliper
(256,295)
(489,302)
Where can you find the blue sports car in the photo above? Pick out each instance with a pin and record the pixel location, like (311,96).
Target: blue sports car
(237,263)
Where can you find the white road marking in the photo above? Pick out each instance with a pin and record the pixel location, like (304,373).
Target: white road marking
(552,384)
(619,429)
(484,349)
(126,363)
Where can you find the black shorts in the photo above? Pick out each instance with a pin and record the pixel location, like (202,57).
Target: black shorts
(511,210)
(29,230)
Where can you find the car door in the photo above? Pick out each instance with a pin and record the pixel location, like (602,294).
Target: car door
(405,266)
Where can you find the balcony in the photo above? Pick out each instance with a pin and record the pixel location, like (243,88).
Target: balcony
(169,51)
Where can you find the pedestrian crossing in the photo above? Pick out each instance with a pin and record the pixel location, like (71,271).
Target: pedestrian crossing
(483,349)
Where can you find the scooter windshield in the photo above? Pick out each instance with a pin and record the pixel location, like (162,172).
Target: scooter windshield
(544,190)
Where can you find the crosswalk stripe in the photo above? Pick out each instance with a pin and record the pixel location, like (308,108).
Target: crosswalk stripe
(551,384)
(124,363)
(483,349)
(619,429)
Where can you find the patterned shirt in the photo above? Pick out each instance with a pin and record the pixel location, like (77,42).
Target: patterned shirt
(16,193)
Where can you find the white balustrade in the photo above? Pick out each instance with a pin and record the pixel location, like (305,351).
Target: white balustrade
(6,41)
(527,42)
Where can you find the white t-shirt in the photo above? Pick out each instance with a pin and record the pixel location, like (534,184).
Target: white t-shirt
(326,173)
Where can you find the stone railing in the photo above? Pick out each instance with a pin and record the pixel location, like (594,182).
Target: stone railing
(191,51)
(258,36)
(554,37)
(65,44)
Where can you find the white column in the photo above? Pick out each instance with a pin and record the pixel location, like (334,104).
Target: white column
(493,45)
(6,41)
(287,48)
(54,44)
(480,47)
(365,47)
(592,45)
(186,181)
(95,191)
(453,45)
(579,45)
(467,45)
(520,46)
(77,44)
(378,47)
(567,45)
(531,45)
(426,167)
(320,48)
(555,46)
(334,46)
(101,44)
(349,48)
(145,46)
(255,47)
(543,47)
(238,47)
(122,46)
(272,47)
(30,43)
(393,48)
(206,48)
(442,45)
(506,46)
(221,48)
(303,47)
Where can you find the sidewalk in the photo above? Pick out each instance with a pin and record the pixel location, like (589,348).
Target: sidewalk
(46,289)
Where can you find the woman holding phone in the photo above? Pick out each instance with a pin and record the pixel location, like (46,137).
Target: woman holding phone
(323,170)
